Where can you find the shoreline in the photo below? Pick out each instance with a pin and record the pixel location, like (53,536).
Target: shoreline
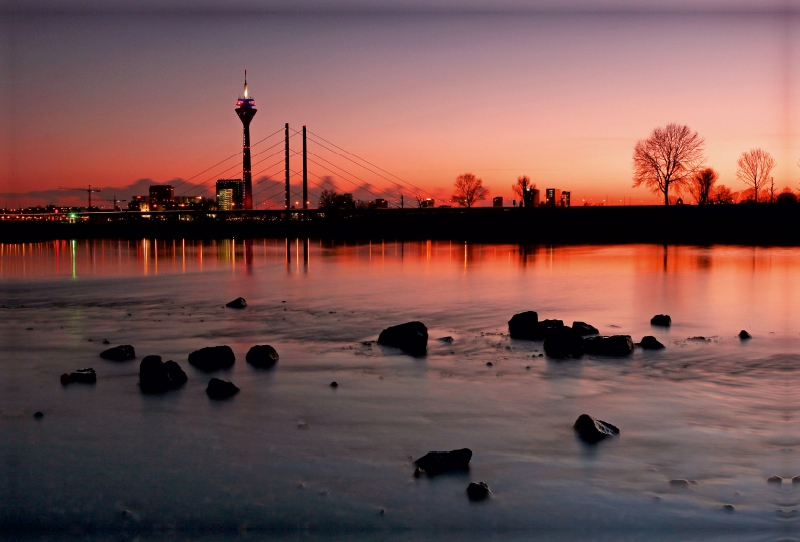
(754,224)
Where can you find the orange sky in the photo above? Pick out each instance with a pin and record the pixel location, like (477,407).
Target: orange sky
(110,100)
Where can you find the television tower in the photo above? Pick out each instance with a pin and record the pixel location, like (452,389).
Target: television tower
(246,109)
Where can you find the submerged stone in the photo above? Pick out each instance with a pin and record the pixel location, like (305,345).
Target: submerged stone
(592,431)
(523,325)
(238,303)
(563,343)
(615,345)
(221,389)
(583,329)
(434,463)
(262,356)
(123,352)
(743,335)
(84,376)
(650,343)
(662,320)
(478,491)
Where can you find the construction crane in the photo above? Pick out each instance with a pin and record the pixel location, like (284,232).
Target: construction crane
(89,190)
(114,200)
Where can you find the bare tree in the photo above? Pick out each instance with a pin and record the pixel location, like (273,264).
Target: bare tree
(771,189)
(669,157)
(755,166)
(469,190)
(723,195)
(701,184)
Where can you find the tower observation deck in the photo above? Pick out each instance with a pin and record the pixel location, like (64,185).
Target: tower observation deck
(246,109)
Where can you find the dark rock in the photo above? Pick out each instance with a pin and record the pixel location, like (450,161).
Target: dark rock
(662,320)
(156,376)
(238,303)
(106,341)
(212,358)
(38,415)
(796,480)
(123,352)
(616,345)
(744,335)
(650,343)
(774,480)
(679,483)
(489,364)
(563,343)
(65,379)
(583,329)
(262,356)
(221,389)
(435,463)
(411,338)
(698,338)
(524,325)
(84,376)
(478,492)
(334,384)
(728,508)
(593,431)
(447,339)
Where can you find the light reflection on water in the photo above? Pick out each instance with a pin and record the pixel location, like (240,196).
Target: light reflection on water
(719,411)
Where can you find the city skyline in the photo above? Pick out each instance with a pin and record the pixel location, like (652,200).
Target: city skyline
(560,97)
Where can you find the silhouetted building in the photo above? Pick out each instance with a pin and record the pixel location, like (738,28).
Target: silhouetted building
(552,197)
(246,109)
(161,197)
(497,201)
(230,194)
(530,197)
(427,203)
(139,203)
(381,203)
(565,198)
(192,203)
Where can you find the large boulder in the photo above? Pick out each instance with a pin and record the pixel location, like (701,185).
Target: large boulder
(411,338)
(662,320)
(592,431)
(615,345)
(563,343)
(435,463)
(238,303)
(743,335)
(523,325)
(221,389)
(156,376)
(583,329)
(262,356)
(123,352)
(650,343)
(212,358)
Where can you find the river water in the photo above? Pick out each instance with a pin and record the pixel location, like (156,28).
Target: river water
(290,455)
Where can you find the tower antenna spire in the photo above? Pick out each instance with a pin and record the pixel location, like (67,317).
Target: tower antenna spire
(245,83)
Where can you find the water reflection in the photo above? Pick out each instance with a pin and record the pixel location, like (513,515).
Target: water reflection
(143,257)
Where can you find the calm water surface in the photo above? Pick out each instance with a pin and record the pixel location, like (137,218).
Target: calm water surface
(107,459)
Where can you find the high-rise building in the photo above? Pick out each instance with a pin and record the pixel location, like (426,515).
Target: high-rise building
(565,198)
(161,197)
(246,109)
(139,203)
(230,194)
(552,197)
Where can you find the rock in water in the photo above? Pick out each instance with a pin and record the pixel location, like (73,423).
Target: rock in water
(156,376)
(616,345)
(84,376)
(411,338)
(650,343)
(744,335)
(238,303)
(38,415)
(123,352)
(593,431)
(478,492)
(262,356)
(435,463)
(662,320)
(447,339)
(583,329)
(524,325)
(563,343)
(212,358)
(221,389)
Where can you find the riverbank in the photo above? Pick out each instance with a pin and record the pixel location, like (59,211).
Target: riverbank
(765,224)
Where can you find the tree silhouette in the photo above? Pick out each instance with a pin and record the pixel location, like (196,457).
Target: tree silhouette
(755,166)
(469,190)
(669,157)
(701,185)
(522,189)
(723,194)
(331,199)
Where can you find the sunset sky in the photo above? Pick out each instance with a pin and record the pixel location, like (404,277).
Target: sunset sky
(559,91)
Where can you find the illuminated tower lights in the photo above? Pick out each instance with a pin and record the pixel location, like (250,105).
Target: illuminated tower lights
(246,109)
